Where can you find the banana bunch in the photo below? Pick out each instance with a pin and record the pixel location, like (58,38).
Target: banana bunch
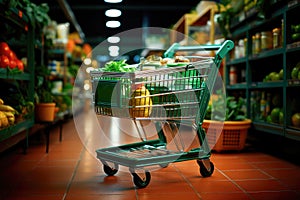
(7,115)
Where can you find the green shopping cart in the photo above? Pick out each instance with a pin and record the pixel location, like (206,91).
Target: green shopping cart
(168,97)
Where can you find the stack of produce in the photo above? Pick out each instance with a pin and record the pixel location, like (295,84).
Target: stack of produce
(295,32)
(274,76)
(8,58)
(295,74)
(7,115)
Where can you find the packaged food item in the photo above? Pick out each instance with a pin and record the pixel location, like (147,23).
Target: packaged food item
(256,43)
(266,40)
(232,75)
(276,38)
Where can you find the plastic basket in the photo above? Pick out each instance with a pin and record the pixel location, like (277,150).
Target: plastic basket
(232,134)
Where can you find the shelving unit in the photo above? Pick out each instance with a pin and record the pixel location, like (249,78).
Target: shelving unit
(195,23)
(181,28)
(207,15)
(198,28)
(256,66)
(18,20)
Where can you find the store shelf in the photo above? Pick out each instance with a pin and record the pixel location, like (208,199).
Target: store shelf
(207,15)
(268,127)
(14,17)
(237,86)
(293,83)
(237,61)
(181,28)
(15,129)
(293,47)
(258,66)
(5,74)
(293,133)
(18,22)
(271,84)
(266,54)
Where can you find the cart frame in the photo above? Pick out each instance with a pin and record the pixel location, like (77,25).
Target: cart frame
(144,154)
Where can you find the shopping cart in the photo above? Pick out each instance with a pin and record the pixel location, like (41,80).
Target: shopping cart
(168,97)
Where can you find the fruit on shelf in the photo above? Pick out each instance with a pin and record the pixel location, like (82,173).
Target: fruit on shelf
(295,74)
(8,58)
(281,74)
(20,65)
(296,119)
(281,117)
(295,28)
(274,76)
(4,61)
(7,115)
(4,49)
(275,114)
(3,120)
(296,36)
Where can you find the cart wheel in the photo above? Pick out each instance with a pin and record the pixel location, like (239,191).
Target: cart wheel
(206,171)
(164,165)
(109,170)
(141,182)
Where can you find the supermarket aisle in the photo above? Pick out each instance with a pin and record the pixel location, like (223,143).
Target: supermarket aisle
(70,172)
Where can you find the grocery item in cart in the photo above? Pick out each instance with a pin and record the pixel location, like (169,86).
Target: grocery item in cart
(140,103)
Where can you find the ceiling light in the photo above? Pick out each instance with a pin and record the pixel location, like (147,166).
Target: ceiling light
(113,24)
(113,13)
(113,48)
(89,69)
(87,61)
(113,1)
(114,53)
(113,39)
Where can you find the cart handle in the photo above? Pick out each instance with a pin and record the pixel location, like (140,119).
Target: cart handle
(222,49)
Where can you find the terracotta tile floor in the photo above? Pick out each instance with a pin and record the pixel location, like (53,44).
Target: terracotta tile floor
(70,172)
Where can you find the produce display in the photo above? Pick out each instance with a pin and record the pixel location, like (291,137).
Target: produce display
(276,116)
(295,32)
(295,74)
(296,120)
(7,115)
(274,76)
(8,58)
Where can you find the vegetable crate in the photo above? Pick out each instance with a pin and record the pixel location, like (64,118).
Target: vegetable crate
(166,96)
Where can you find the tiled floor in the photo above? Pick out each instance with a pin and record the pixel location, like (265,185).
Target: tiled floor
(70,172)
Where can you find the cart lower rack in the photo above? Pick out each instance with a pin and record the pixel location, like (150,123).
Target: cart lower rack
(166,96)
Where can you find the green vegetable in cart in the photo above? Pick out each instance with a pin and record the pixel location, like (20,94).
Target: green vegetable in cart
(118,66)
